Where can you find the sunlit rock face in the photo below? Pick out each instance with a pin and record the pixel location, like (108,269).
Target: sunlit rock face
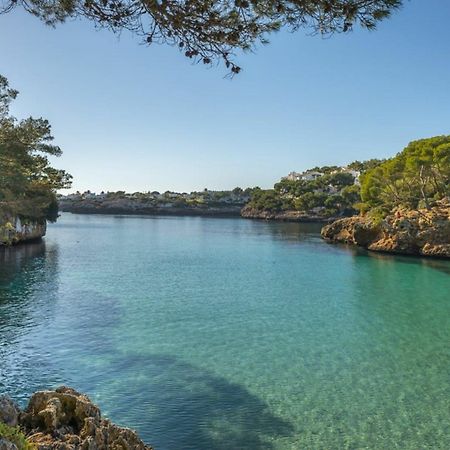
(14,230)
(424,232)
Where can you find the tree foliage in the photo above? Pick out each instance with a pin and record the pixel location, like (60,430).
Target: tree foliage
(414,178)
(28,183)
(208,30)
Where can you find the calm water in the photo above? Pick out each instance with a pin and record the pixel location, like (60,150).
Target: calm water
(208,334)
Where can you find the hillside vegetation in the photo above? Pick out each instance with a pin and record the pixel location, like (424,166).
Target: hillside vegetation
(327,191)
(415,178)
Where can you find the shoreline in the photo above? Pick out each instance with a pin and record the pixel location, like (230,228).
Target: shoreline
(288,216)
(153,212)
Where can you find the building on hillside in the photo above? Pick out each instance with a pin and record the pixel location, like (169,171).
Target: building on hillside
(308,175)
(354,173)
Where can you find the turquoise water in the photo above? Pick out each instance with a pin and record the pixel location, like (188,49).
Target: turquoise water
(209,334)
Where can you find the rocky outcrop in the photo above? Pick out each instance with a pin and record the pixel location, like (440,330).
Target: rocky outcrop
(14,230)
(285,216)
(64,419)
(423,232)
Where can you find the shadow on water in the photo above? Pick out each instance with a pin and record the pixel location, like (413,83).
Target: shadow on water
(291,231)
(434,263)
(178,406)
(439,264)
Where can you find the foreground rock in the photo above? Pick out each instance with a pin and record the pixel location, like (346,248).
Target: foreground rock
(423,232)
(64,419)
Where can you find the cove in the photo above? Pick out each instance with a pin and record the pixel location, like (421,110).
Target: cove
(207,334)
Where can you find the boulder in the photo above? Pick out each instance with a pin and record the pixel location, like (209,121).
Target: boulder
(9,411)
(61,410)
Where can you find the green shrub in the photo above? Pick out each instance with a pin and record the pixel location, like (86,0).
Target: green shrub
(377,215)
(14,435)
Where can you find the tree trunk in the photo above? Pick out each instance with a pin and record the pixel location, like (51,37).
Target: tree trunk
(422,188)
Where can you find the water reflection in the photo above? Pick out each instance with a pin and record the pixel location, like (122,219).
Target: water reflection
(13,259)
(28,296)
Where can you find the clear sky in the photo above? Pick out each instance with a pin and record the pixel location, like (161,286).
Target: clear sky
(143,118)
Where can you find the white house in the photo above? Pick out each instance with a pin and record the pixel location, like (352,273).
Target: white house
(308,175)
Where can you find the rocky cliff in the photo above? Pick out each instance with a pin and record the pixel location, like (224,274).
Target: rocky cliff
(423,232)
(62,419)
(14,230)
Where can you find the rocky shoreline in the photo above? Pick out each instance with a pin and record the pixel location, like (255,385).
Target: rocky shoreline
(154,211)
(422,233)
(62,419)
(284,216)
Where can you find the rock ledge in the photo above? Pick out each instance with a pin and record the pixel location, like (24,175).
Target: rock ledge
(423,232)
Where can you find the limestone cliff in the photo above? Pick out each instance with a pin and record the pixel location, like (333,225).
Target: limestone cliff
(423,232)
(14,230)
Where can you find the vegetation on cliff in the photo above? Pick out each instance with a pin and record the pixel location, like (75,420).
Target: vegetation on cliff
(28,182)
(328,191)
(415,178)
(404,203)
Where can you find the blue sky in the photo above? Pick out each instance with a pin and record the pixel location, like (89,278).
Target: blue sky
(142,118)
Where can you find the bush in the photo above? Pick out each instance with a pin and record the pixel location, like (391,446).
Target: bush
(14,435)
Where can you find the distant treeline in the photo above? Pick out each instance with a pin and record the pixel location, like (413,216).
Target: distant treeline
(196,199)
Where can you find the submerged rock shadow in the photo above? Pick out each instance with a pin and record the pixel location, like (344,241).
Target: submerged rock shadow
(177,406)
(439,264)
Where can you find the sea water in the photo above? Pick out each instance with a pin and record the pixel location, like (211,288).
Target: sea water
(207,334)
